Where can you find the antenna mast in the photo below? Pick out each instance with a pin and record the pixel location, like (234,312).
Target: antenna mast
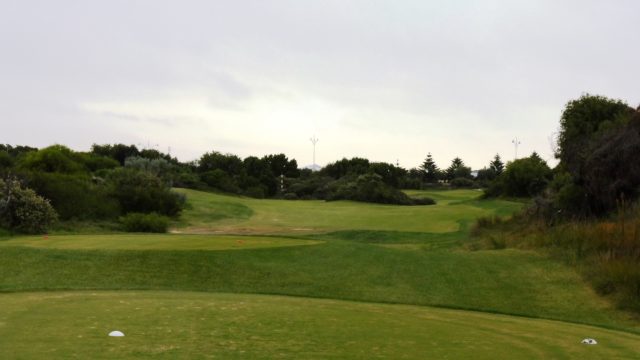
(314,140)
(516,142)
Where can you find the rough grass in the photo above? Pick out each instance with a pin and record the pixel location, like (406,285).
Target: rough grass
(169,325)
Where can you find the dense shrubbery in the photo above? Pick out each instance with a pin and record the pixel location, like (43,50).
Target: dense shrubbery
(526,177)
(22,210)
(371,188)
(140,191)
(139,222)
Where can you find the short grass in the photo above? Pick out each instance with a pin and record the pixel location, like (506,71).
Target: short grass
(210,212)
(154,242)
(170,325)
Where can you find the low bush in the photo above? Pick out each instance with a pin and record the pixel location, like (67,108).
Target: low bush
(462,183)
(151,223)
(22,210)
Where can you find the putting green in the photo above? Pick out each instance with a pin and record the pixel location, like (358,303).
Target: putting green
(170,325)
(154,242)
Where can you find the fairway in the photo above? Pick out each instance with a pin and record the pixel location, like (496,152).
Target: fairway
(200,291)
(210,212)
(154,242)
(195,325)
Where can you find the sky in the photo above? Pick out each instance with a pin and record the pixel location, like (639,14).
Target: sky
(386,80)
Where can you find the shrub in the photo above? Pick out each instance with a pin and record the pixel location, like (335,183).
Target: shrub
(140,191)
(138,222)
(75,196)
(462,183)
(21,209)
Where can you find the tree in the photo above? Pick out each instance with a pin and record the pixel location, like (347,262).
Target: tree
(524,177)
(430,169)
(581,121)
(496,165)
(457,169)
(21,209)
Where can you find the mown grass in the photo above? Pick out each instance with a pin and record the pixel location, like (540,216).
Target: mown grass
(154,242)
(170,325)
(220,213)
(510,282)
(372,253)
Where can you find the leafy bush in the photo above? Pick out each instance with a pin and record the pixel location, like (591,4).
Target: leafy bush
(370,188)
(21,209)
(462,183)
(137,222)
(140,191)
(75,196)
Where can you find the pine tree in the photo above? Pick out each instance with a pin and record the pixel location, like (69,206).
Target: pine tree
(497,165)
(429,169)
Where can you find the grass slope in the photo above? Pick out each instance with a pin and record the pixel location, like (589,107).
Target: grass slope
(169,325)
(210,212)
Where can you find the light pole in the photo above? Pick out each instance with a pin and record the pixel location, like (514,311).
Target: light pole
(515,143)
(314,140)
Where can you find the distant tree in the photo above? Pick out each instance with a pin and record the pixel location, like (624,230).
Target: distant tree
(430,169)
(229,163)
(391,175)
(457,169)
(55,158)
(354,166)
(496,165)
(524,177)
(119,152)
(280,164)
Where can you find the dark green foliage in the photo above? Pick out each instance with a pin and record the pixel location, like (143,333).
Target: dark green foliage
(457,169)
(220,180)
(75,196)
(390,174)
(280,164)
(6,162)
(344,167)
(118,152)
(496,165)
(312,187)
(55,158)
(583,119)
(430,170)
(150,223)
(370,188)
(612,168)
(524,177)
(140,191)
(22,210)
(462,183)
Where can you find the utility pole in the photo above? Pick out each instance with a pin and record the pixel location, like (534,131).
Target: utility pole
(515,143)
(314,140)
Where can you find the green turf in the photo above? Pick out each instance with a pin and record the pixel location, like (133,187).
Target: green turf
(169,325)
(360,252)
(154,242)
(210,212)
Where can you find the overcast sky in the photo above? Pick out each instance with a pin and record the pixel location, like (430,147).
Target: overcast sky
(385,80)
